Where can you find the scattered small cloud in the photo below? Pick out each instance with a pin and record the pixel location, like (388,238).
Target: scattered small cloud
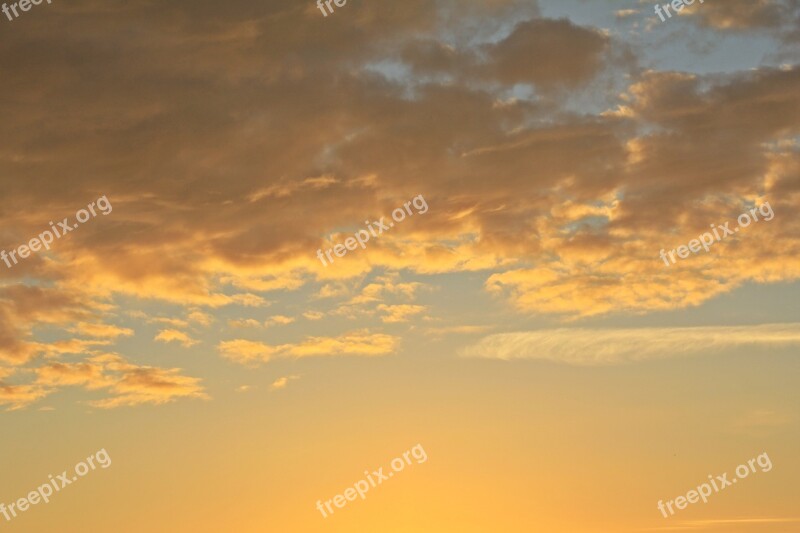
(442,331)
(278,319)
(249,300)
(356,343)
(625,13)
(126,383)
(204,319)
(174,322)
(107,331)
(173,335)
(281,382)
(244,323)
(399,313)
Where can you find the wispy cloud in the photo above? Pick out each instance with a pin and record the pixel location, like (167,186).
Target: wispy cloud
(760,421)
(700,525)
(588,347)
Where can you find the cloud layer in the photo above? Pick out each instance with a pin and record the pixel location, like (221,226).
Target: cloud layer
(234,143)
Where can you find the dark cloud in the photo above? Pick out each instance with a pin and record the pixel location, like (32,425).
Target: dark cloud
(548,52)
(233,139)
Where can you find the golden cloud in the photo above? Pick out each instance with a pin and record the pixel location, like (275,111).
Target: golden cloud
(356,343)
(173,335)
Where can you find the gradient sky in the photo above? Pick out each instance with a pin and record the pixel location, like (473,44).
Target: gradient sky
(523,330)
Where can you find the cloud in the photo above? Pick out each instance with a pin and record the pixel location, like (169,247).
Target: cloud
(456,330)
(283,189)
(73,374)
(244,323)
(204,319)
(174,247)
(429,56)
(22,308)
(173,335)
(745,14)
(558,205)
(249,300)
(148,385)
(19,396)
(594,347)
(726,524)
(278,319)
(101,330)
(175,322)
(399,313)
(527,54)
(245,352)
(123,383)
(759,421)
(625,13)
(385,286)
(281,382)
(355,343)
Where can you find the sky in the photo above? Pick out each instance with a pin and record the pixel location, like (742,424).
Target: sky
(529,314)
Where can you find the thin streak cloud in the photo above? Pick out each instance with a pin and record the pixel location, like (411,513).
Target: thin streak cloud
(594,347)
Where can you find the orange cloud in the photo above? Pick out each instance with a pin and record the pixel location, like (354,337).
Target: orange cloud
(126,383)
(173,335)
(357,343)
